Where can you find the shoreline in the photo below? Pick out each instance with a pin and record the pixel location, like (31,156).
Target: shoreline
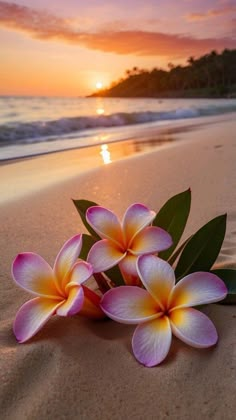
(137,132)
(24,176)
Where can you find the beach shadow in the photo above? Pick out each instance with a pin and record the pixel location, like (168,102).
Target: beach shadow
(108,329)
(8,342)
(26,373)
(178,347)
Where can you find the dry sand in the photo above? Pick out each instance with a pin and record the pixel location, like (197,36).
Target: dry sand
(78,369)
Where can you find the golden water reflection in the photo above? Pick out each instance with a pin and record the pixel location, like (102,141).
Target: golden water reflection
(119,150)
(99,107)
(52,168)
(105,153)
(100,111)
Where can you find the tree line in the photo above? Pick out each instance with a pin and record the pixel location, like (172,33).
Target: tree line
(213,74)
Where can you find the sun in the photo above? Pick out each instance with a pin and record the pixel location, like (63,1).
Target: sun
(99,85)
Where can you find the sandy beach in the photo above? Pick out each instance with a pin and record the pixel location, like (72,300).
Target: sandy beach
(79,369)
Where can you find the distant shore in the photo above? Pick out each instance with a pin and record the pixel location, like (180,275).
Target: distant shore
(174,94)
(212,75)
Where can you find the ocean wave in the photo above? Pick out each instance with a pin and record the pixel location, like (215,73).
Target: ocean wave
(38,131)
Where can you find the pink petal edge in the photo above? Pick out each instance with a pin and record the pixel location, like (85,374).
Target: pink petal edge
(80,273)
(31,272)
(151,341)
(66,258)
(136,218)
(198,288)
(152,239)
(32,316)
(105,223)
(193,327)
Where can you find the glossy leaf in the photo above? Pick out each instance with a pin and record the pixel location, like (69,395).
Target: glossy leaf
(88,242)
(173,217)
(178,251)
(82,206)
(203,248)
(229,278)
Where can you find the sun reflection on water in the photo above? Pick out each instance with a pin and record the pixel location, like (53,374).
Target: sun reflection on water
(106,155)
(100,111)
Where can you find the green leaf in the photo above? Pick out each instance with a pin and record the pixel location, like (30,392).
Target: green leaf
(229,278)
(115,276)
(82,206)
(174,256)
(88,242)
(173,217)
(203,248)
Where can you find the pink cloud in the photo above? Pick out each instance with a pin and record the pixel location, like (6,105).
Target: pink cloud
(227,9)
(45,26)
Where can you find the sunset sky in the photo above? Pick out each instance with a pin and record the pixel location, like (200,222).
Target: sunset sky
(65,47)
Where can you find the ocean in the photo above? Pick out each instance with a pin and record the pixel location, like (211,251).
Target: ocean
(35,125)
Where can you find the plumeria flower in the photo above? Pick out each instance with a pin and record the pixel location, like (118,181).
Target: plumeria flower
(165,308)
(123,242)
(59,289)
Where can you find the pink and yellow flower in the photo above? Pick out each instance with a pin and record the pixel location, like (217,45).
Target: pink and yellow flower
(59,289)
(123,242)
(165,308)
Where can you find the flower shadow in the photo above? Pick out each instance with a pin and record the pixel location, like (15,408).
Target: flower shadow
(109,330)
(7,339)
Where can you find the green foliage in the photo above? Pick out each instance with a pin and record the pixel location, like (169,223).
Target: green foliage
(211,75)
(82,206)
(178,251)
(229,278)
(203,248)
(115,276)
(173,217)
(88,242)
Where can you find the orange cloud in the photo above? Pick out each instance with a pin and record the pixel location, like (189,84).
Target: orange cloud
(153,43)
(45,26)
(227,9)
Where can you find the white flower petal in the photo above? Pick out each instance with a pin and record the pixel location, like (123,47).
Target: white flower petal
(104,255)
(157,276)
(150,240)
(151,341)
(32,273)
(80,273)
(197,289)
(105,223)
(66,258)
(73,303)
(129,305)
(193,327)
(136,218)
(129,271)
(32,316)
